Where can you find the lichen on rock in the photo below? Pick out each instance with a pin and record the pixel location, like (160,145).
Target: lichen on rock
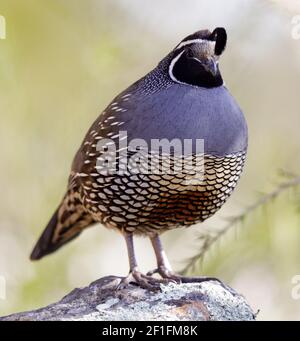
(100,301)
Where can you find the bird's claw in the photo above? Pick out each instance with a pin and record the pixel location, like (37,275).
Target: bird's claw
(144,281)
(152,272)
(171,276)
(166,274)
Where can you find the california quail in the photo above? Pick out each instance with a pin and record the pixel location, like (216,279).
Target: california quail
(182,99)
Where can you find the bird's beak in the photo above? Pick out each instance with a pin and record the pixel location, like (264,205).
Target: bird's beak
(210,65)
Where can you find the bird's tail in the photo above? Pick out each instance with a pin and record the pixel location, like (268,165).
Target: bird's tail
(67,223)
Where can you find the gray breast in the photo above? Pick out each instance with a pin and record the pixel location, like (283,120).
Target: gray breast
(186,112)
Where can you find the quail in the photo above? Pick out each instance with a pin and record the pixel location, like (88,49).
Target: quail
(124,178)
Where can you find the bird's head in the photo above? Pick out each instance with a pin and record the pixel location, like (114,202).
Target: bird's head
(195,60)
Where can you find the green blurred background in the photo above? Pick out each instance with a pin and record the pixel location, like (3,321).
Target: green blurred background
(60,65)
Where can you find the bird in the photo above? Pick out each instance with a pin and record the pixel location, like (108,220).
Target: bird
(124,178)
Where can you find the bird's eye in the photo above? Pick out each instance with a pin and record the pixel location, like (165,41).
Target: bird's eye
(189,53)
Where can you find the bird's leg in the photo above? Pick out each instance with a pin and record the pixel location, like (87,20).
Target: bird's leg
(130,250)
(164,268)
(163,265)
(145,281)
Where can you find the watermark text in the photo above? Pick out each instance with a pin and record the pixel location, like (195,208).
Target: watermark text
(2,288)
(2,27)
(296,27)
(295,293)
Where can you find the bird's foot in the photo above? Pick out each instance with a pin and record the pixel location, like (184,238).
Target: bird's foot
(171,276)
(166,274)
(144,281)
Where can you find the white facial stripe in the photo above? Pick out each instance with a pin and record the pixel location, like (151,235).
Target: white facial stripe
(172,66)
(193,41)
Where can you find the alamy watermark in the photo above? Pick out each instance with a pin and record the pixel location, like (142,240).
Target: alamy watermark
(2,288)
(295,293)
(2,27)
(157,156)
(295,32)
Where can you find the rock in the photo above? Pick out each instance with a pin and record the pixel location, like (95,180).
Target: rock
(100,301)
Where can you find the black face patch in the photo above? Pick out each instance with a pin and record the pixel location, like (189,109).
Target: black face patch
(190,71)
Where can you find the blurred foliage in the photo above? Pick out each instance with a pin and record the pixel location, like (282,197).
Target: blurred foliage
(62,63)
(209,237)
